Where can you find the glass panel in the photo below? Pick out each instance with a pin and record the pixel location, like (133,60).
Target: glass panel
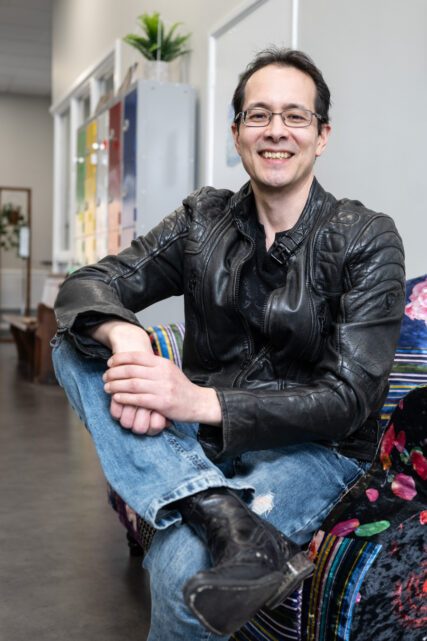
(108,83)
(65,195)
(86,107)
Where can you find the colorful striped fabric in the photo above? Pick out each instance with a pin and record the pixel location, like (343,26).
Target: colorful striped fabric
(330,596)
(284,624)
(409,368)
(322,608)
(167,341)
(409,371)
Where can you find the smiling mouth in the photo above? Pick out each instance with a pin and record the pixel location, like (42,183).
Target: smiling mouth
(276,154)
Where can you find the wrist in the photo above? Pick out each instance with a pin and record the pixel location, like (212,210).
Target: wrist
(209,408)
(128,337)
(121,336)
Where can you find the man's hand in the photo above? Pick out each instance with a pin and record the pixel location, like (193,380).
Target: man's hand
(141,379)
(121,336)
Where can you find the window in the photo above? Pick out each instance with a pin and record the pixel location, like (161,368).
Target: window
(65,139)
(86,110)
(77,107)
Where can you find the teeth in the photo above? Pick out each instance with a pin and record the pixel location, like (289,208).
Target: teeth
(276,154)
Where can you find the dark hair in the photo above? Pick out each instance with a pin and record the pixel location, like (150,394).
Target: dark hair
(284,57)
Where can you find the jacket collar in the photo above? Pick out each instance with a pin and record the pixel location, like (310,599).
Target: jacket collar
(242,203)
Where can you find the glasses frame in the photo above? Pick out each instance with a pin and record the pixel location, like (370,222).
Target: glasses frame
(242,114)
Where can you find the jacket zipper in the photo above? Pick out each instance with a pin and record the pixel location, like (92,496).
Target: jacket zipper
(201,311)
(248,363)
(249,358)
(236,291)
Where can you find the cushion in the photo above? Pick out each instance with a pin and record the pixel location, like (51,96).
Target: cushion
(410,362)
(371,566)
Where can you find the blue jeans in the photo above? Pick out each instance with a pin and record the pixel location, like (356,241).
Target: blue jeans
(292,487)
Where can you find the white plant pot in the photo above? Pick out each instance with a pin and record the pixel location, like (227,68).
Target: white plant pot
(157,70)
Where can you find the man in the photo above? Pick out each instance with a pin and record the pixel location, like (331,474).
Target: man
(293,303)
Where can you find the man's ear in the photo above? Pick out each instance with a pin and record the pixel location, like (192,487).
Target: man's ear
(322,139)
(235,132)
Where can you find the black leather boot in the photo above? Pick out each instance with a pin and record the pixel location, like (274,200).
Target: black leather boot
(253,563)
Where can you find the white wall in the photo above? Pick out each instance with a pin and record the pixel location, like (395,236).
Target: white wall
(26,143)
(374,57)
(85,31)
(373,54)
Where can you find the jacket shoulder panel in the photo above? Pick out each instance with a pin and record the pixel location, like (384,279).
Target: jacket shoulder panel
(206,206)
(340,236)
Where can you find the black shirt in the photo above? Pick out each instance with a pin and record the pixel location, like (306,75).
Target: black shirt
(261,274)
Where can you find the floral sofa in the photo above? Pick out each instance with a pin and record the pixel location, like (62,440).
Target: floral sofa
(370,579)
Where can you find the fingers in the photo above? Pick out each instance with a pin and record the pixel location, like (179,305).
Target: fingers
(134,415)
(152,383)
(131,386)
(130,371)
(116,409)
(147,359)
(141,423)
(139,419)
(137,392)
(127,418)
(157,424)
(148,402)
(142,400)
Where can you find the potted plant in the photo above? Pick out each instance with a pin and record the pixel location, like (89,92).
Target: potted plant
(157,47)
(11,219)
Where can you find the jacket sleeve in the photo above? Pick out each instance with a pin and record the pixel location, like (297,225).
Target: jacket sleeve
(351,376)
(119,286)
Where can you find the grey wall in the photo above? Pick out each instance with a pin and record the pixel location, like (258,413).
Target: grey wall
(83,32)
(374,57)
(26,143)
(373,54)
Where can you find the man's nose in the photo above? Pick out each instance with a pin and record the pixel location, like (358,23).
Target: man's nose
(276,128)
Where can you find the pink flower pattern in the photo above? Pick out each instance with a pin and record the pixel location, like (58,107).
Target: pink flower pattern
(404,487)
(400,441)
(416,309)
(419,463)
(345,527)
(372,494)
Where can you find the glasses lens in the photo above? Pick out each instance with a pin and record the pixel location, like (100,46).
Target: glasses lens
(295,117)
(256,117)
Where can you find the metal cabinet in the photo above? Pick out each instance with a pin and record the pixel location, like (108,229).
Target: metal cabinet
(135,164)
(80,185)
(90,193)
(101,203)
(114,178)
(165,142)
(129,162)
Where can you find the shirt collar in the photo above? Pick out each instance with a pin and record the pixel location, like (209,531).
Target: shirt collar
(286,243)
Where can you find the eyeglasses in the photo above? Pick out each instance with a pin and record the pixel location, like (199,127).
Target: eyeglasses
(292,117)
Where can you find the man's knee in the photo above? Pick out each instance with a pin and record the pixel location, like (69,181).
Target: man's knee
(72,371)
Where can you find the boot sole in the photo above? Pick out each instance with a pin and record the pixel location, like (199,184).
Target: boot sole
(223,609)
(298,568)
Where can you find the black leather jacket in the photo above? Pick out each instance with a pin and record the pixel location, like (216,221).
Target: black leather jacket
(331,331)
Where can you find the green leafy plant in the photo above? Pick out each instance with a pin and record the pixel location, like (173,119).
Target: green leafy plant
(155,45)
(11,219)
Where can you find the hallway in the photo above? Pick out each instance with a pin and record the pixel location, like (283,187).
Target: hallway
(65,571)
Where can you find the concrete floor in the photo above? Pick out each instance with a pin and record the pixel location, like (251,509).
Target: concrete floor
(65,571)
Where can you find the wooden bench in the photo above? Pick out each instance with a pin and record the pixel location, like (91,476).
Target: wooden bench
(23,330)
(32,335)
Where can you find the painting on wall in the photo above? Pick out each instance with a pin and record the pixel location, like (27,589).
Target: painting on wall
(15,243)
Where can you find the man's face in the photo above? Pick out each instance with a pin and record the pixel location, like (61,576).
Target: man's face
(276,88)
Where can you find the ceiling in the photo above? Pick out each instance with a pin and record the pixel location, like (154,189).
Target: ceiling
(25,46)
